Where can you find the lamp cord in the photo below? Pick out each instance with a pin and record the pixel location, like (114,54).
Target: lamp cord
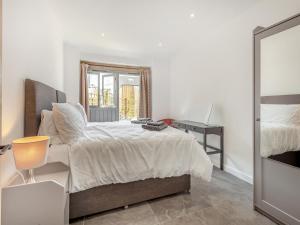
(22,176)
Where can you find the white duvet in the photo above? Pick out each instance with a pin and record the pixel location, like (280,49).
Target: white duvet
(119,153)
(277,138)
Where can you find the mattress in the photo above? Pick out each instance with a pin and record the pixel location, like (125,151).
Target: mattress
(279,138)
(120,152)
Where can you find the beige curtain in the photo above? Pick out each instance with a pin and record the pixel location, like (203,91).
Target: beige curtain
(84,92)
(145,94)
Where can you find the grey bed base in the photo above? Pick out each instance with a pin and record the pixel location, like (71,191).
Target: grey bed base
(113,196)
(39,96)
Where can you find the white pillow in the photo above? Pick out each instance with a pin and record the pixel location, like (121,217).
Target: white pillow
(82,112)
(284,114)
(68,121)
(47,127)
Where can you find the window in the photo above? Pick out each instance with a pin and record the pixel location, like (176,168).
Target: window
(93,86)
(113,96)
(102,87)
(108,90)
(129,96)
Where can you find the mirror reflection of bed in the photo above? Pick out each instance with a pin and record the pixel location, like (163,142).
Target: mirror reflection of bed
(280,128)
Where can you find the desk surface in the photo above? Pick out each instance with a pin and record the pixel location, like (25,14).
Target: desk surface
(196,124)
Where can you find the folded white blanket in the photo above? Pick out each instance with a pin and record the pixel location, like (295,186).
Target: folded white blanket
(119,153)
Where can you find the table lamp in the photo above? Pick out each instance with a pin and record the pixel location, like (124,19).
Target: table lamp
(30,153)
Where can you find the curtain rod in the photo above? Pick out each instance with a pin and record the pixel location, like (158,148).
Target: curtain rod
(113,65)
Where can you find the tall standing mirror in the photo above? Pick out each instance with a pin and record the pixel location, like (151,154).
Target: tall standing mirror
(280,97)
(277,121)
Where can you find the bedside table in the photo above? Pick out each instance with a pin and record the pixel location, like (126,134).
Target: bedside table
(45,202)
(205,130)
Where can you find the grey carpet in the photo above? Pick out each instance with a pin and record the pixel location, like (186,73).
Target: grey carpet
(225,200)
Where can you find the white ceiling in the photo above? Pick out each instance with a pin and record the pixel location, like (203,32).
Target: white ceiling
(138,26)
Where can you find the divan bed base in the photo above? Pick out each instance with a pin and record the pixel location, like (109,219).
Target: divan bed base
(113,196)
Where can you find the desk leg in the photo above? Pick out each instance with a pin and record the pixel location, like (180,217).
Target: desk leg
(204,140)
(222,150)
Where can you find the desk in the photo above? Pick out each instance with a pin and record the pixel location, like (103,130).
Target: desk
(205,130)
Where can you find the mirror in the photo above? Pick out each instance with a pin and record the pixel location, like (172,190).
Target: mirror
(280,97)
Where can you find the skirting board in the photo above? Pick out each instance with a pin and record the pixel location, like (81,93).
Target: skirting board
(235,172)
(239,174)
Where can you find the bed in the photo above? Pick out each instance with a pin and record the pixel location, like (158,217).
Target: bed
(280,141)
(98,196)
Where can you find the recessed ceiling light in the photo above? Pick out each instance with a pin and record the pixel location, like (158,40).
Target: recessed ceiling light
(159,44)
(102,35)
(192,15)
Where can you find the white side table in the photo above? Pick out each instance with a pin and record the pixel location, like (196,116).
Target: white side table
(45,202)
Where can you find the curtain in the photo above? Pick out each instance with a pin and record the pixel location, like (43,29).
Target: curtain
(145,94)
(84,92)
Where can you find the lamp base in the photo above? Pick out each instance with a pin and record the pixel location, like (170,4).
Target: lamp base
(31,178)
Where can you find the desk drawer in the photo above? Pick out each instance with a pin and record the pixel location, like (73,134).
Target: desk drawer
(195,129)
(215,130)
(179,125)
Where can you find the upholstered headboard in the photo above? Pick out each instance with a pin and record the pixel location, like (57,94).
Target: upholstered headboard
(38,96)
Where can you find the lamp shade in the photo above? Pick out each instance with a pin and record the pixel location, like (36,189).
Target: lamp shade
(30,152)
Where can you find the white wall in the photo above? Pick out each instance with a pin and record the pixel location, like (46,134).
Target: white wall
(32,49)
(280,67)
(219,70)
(159,66)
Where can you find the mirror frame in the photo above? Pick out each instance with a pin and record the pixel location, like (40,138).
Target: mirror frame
(258,34)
